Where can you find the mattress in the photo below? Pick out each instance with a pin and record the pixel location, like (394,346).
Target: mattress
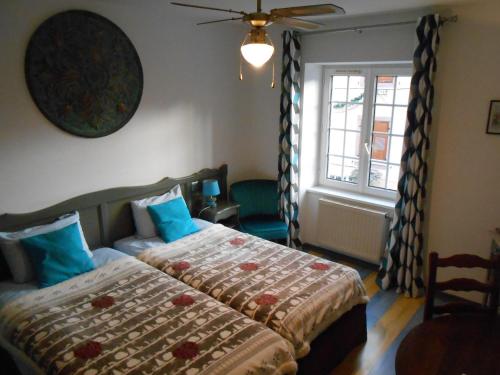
(10,290)
(127,317)
(296,294)
(134,245)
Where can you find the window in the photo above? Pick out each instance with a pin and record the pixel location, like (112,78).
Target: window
(364,117)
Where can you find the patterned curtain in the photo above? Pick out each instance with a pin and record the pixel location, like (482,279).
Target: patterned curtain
(288,166)
(402,262)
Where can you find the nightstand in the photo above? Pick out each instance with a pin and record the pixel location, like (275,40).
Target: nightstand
(226,213)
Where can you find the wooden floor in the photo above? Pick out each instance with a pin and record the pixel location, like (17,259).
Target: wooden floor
(390,316)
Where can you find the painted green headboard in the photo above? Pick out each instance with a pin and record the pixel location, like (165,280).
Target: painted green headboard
(106,215)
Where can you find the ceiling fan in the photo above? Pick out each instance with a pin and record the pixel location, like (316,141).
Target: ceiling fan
(257,48)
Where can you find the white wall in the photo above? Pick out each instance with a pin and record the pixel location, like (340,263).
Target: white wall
(189,116)
(464,204)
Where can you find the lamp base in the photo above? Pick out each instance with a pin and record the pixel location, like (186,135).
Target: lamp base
(211,201)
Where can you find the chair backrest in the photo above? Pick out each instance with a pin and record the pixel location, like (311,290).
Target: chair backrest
(490,288)
(256,197)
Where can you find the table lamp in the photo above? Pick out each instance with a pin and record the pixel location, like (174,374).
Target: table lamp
(210,191)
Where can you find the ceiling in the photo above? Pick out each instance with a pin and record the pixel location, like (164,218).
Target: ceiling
(352,7)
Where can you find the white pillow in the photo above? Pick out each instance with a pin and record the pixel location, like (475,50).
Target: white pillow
(144,226)
(19,264)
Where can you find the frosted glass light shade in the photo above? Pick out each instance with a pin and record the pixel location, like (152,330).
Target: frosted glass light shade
(257,54)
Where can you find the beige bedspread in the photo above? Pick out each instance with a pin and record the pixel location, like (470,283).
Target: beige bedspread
(128,317)
(296,294)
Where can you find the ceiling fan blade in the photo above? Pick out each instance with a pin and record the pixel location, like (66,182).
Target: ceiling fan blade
(209,8)
(308,10)
(295,23)
(224,20)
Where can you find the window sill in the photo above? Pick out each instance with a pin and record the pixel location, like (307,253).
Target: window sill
(353,197)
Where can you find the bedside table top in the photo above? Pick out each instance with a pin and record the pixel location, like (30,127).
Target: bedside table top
(223,210)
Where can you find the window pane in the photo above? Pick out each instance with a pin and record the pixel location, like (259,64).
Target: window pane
(337,115)
(352,144)
(346,119)
(403,90)
(356,95)
(393,178)
(380,146)
(383,116)
(339,95)
(385,90)
(396,148)
(354,116)
(336,145)
(387,130)
(334,170)
(351,171)
(399,121)
(357,82)
(377,175)
(339,82)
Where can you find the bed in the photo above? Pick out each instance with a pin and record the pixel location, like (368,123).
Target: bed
(126,317)
(106,217)
(296,294)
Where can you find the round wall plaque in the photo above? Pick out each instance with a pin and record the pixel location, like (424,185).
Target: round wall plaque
(83,73)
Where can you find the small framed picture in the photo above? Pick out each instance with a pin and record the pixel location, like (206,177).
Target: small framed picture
(493,126)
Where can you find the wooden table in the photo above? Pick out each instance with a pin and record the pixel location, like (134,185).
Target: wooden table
(451,345)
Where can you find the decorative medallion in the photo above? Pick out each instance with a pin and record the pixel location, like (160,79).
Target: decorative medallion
(83,73)
(320,266)
(91,349)
(103,302)
(187,350)
(266,299)
(249,266)
(238,241)
(183,300)
(181,266)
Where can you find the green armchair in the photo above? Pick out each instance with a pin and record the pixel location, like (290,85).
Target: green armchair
(259,215)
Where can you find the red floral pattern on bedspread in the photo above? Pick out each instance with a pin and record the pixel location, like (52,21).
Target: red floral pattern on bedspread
(89,350)
(183,300)
(186,350)
(181,266)
(320,266)
(266,299)
(249,266)
(103,302)
(238,241)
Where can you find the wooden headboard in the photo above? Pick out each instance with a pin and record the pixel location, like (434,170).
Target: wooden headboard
(106,215)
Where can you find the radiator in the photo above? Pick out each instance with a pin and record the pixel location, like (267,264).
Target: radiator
(356,231)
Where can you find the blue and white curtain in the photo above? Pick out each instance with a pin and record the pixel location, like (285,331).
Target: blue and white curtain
(288,168)
(402,263)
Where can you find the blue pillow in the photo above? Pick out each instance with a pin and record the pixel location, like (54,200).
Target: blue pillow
(58,256)
(172,219)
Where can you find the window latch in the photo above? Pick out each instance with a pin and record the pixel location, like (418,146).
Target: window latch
(367,149)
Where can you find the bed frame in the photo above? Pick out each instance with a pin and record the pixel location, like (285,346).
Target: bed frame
(106,216)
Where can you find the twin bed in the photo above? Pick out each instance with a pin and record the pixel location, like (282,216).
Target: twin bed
(197,305)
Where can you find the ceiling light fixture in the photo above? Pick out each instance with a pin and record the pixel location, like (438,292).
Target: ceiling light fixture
(257,48)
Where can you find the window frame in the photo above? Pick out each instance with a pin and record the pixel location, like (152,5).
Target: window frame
(370,72)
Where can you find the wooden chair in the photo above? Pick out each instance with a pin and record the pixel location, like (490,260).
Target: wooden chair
(490,288)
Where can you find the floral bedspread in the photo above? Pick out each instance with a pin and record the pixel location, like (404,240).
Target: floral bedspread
(296,294)
(128,317)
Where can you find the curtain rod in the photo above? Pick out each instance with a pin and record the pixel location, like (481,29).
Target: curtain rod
(360,29)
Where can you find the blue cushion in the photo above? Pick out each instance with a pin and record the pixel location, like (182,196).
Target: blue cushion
(172,219)
(267,228)
(256,197)
(58,256)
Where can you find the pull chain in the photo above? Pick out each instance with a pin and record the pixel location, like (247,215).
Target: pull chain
(241,68)
(273,83)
